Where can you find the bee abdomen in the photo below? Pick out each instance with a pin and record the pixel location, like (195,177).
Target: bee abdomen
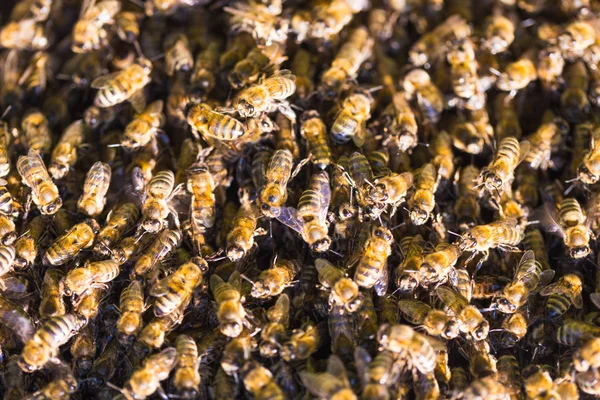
(557,306)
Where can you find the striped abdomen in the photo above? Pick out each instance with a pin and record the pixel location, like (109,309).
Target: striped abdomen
(57,331)
(6,201)
(315,133)
(52,303)
(186,375)
(132,305)
(345,126)
(280,87)
(120,221)
(280,167)
(122,87)
(557,305)
(69,245)
(7,258)
(570,213)
(309,205)
(223,127)
(165,243)
(161,185)
(423,354)
(508,151)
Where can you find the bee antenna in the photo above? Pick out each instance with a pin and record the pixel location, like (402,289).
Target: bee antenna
(114,387)
(375,89)
(137,3)
(495,71)
(157,57)
(336,253)
(6,112)
(453,233)
(423,144)
(114,145)
(138,49)
(571,187)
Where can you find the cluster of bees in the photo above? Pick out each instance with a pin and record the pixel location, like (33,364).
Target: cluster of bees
(277,199)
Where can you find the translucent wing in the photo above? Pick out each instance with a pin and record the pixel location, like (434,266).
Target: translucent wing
(101,81)
(138,181)
(382,283)
(524,147)
(160,288)
(284,73)
(155,107)
(555,288)
(16,319)
(138,101)
(454,300)
(546,277)
(324,197)
(235,280)
(595,298)
(32,169)
(335,367)
(281,310)
(97,180)
(10,71)
(362,359)
(412,309)
(313,384)
(289,217)
(548,221)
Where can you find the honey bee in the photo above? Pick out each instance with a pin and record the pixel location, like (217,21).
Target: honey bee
(146,380)
(83,350)
(201,184)
(259,382)
(517,75)
(470,320)
(574,102)
(499,33)
(390,189)
(301,343)
(35,77)
(430,46)
(576,38)
(402,339)
(423,201)
(205,66)
(310,219)
(131,306)
(178,54)
(26,245)
(95,187)
(315,132)
(231,312)
(119,220)
(88,305)
(273,194)
(272,281)
(44,344)
(64,154)
(165,243)
(352,54)
(563,293)
(187,376)
(371,269)
(573,227)
(123,85)
(428,98)
(588,382)
(328,19)
(37,132)
(26,34)
(89,32)
(437,266)
(172,290)
(467,206)
(302,65)
(236,353)
(332,384)
(500,171)
(343,291)
(267,96)
(550,67)
(128,27)
(350,123)
(62,384)
(504,234)
(92,275)
(407,273)
(274,332)
(156,199)
(543,141)
(154,333)
(588,170)
(214,125)
(435,322)
(574,332)
(486,388)
(443,156)
(144,127)
(463,71)
(241,237)
(375,373)
(587,356)
(52,304)
(69,245)
(400,124)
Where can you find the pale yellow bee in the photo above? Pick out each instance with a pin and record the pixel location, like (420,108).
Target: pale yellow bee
(44,192)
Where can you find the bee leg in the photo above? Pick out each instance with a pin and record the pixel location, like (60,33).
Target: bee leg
(161,393)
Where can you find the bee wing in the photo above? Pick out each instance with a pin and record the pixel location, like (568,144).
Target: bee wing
(283,308)
(11,68)
(362,359)
(324,198)
(549,222)
(101,81)
(335,367)
(361,133)
(411,308)
(524,147)
(156,107)
(160,288)
(235,280)
(97,179)
(215,280)
(138,101)
(454,300)
(546,277)
(16,319)
(595,298)
(313,384)
(139,183)
(382,283)
(289,217)
(86,6)
(32,169)
(285,73)
(555,288)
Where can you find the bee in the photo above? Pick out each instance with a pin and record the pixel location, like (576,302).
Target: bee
(95,187)
(350,122)
(144,127)
(119,220)
(437,266)
(231,312)
(89,32)
(402,339)
(499,33)
(573,227)
(470,320)
(272,281)
(131,306)
(332,384)
(37,132)
(467,206)
(504,234)
(214,125)
(303,67)
(376,373)
(172,290)
(529,275)
(64,154)
(588,382)
(574,332)
(517,75)
(574,102)
(550,66)
(257,61)
(352,54)
(315,132)
(542,143)
(588,168)
(418,87)
(400,124)
(423,201)
(371,269)
(343,291)
(407,273)
(241,237)
(463,70)
(65,248)
(44,344)
(13,373)
(576,38)
(92,275)
(205,66)
(274,332)
(201,184)
(259,382)
(52,304)
(328,19)
(128,27)
(156,199)
(301,343)
(178,54)
(146,380)
(166,242)
(187,377)
(425,386)
(587,356)
(486,388)
(236,353)
(35,77)
(273,194)
(500,171)
(435,322)
(443,156)
(123,85)
(104,366)
(153,334)
(83,351)
(390,189)
(26,34)
(62,384)
(563,293)
(430,46)
(310,219)
(44,192)
(267,96)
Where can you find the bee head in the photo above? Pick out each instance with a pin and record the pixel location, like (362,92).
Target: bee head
(260,290)
(586,176)
(482,330)
(231,328)
(450,330)
(579,251)
(505,306)
(152,225)
(52,207)
(379,192)
(492,181)
(235,253)
(419,216)
(321,245)
(383,233)
(354,304)
(245,109)
(468,242)
(427,272)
